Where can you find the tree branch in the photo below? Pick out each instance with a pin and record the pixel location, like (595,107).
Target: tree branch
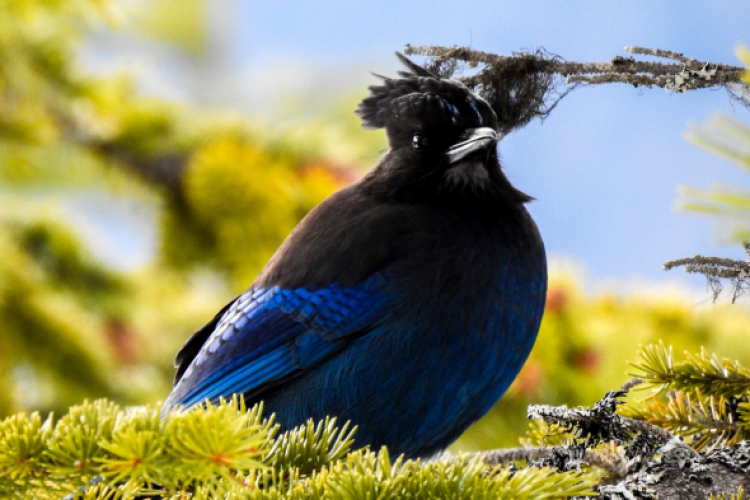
(672,76)
(570,456)
(716,268)
(649,462)
(528,85)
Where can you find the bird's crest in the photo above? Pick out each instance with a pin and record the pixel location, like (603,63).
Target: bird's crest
(424,89)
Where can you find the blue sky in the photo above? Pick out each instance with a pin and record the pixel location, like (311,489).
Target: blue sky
(605,165)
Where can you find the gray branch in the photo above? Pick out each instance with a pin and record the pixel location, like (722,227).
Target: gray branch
(686,74)
(715,269)
(528,85)
(613,464)
(648,463)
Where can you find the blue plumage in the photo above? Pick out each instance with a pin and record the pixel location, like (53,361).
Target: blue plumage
(406,302)
(269,334)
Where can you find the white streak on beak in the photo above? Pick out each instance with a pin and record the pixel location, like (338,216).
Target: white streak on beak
(480,138)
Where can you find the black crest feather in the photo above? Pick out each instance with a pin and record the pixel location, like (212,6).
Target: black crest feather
(375,109)
(414,69)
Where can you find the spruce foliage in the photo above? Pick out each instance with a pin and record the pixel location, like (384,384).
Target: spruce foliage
(99,450)
(703,397)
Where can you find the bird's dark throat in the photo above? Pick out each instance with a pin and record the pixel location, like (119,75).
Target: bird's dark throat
(476,183)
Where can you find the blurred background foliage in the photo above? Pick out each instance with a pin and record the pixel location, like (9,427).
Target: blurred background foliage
(727,137)
(224,191)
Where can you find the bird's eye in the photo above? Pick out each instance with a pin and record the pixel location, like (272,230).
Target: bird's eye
(419,142)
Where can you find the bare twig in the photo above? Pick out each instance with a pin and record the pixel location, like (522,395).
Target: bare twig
(627,386)
(664,54)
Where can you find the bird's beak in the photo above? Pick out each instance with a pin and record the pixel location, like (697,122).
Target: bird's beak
(480,138)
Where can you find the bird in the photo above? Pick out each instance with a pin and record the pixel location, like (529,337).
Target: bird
(406,302)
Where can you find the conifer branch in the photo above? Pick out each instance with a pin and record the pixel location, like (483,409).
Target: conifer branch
(704,372)
(99,451)
(707,398)
(711,421)
(310,447)
(228,451)
(520,87)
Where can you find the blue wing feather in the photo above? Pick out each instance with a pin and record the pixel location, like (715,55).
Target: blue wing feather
(271,334)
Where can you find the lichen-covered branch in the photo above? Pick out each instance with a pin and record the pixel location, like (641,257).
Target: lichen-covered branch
(686,74)
(649,462)
(598,424)
(568,457)
(716,268)
(528,85)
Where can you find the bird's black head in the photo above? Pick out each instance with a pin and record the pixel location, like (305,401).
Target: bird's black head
(441,138)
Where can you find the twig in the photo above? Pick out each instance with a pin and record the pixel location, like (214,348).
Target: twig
(608,424)
(664,54)
(627,386)
(715,268)
(609,462)
(710,266)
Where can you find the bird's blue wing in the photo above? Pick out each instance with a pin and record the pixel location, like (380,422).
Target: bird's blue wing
(269,335)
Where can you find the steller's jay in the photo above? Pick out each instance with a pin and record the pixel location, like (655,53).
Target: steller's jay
(406,302)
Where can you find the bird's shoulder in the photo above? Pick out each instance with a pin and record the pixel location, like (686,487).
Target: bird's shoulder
(344,240)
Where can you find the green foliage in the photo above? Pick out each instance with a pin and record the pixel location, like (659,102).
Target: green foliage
(366,475)
(541,433)
(226,196)
(707,419)
(229,179)
(729,138)
(178,22)
(98,450)
(702,372)
(703,397)
(35,79)
(132,450)
(310,447)
(48,291)
(739,496)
